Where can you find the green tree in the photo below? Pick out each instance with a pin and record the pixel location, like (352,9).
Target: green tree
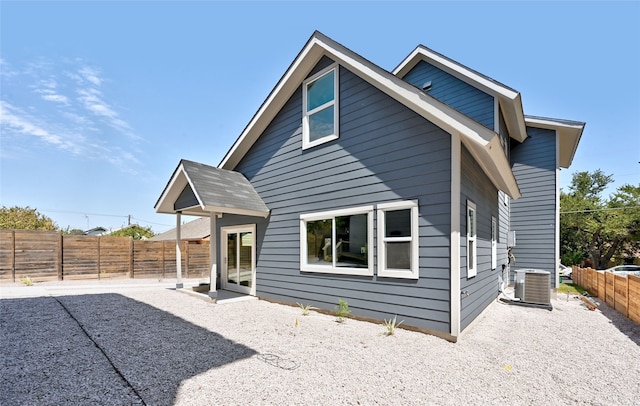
(597,228)
(134,231)
(72,231)
(25,218)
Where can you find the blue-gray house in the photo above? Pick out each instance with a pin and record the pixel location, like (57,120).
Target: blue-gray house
(400,191)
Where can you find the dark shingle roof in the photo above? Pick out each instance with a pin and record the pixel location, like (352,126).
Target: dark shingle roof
(216,191)
(193,230)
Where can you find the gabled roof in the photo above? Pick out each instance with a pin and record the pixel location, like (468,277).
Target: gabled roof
(569,133)
(197,229)
(206,189)
(509,99)
(483,143)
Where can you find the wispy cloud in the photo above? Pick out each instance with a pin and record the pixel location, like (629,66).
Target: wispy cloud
(48,90)
(69,110)
(16,120)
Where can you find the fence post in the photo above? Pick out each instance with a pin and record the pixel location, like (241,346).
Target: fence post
(131,262)
(13,255)
(60,262)
(186,260)
(99,237)
(614,289)
(163,259)
(626,309)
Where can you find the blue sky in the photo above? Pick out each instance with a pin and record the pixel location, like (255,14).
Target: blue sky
(101,100)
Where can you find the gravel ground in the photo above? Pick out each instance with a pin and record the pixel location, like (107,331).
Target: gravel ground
(146,344)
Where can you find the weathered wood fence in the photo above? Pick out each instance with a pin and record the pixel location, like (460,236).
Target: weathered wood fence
(620,292)
(43,256)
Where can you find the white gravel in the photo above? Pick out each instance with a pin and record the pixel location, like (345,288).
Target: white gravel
(156,346)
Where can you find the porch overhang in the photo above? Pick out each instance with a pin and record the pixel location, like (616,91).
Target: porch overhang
(198,190)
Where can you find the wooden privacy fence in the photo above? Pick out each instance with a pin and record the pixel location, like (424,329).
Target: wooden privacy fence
(47,255)
(620,292)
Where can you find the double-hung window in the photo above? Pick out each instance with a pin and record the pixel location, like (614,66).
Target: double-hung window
(398,240)
(472,248)
(320,107)
(338,241)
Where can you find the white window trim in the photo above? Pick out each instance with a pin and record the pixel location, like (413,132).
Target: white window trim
(494,243)
(305,114)
(304,218)
(472,262)
(413,272)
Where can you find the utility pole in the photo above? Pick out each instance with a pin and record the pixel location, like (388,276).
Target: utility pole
(129,223)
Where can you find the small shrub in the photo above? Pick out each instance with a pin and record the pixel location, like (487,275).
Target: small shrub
(391,325)
(27,281)
(305,308)
(342,310)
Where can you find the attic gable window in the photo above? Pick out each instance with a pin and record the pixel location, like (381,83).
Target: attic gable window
(320,107)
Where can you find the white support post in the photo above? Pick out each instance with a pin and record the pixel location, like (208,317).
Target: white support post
(179,284)
(213,258)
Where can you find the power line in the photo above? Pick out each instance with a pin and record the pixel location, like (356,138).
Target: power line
(124,216)
(83,213)
(151,222)
(595,210)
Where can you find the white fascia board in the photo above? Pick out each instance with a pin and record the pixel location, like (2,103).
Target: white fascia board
(232,210)
(176,184)
(442,115)
(461,72)
(287,85)
(510,100)
(430,108)
(179,180)
(495,165)
(193,188)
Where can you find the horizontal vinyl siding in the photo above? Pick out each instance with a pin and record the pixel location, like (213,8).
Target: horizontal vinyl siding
(482,289)
(454,92)
(533,216)
(385,153)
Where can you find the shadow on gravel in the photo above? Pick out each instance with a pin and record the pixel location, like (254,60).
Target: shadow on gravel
(143,351)
(622,323)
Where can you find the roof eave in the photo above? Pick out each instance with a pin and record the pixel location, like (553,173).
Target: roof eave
(176,184)
(495,165)
(482,142)
(510,99)
(286,86)
(569,134)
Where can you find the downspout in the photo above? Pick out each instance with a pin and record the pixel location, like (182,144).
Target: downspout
(556,247)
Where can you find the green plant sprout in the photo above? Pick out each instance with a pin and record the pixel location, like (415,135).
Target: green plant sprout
(305,308)
(27,281)
(391,325)
(342,310)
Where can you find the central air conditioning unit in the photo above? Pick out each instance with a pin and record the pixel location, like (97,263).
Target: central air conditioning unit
(533,286)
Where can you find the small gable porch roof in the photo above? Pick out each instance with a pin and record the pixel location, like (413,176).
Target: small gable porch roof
(197,189)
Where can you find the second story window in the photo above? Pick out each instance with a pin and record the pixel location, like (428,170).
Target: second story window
(320,107)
